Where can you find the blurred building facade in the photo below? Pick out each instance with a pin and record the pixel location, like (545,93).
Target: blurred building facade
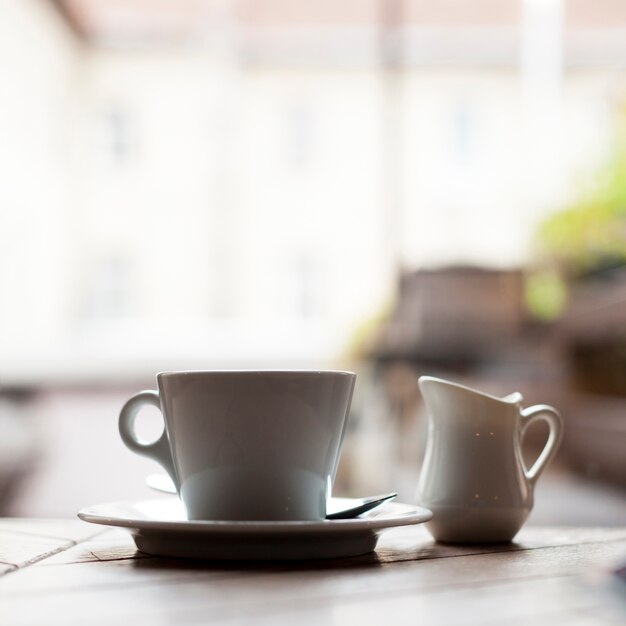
(214,183)
(245,183)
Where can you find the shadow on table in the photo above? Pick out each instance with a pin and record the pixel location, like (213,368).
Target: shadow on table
(407,550)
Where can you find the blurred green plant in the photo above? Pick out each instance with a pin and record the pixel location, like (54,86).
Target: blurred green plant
(545,293)
(584,239)
(590,234)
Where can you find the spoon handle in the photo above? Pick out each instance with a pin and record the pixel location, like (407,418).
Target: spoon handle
(366,504)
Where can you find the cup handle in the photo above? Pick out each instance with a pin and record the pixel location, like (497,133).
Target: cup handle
(555,423)
(159,450)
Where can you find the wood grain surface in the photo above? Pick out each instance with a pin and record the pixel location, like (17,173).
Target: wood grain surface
(69,572)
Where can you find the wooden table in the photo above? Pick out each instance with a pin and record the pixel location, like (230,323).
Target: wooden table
(69,572)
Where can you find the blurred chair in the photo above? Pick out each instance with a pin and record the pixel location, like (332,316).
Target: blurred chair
(454,315)
(19,449)
(593,331)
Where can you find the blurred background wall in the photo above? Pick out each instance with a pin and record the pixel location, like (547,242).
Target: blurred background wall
(393,186)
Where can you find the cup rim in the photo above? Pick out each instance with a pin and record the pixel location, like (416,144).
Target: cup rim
(257,372)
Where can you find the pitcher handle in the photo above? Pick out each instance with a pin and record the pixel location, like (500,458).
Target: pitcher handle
(555,423)
(159,450)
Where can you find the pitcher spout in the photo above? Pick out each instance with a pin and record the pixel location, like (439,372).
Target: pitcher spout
(436,390)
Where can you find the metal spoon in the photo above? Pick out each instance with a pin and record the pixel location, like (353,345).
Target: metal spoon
(346,508)
(338,508)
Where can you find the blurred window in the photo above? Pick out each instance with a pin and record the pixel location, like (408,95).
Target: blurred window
(108,288)
(300,135)
(462,132)
(306,292)
(116,134)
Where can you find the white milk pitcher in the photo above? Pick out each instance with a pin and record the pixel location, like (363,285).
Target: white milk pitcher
(473,477)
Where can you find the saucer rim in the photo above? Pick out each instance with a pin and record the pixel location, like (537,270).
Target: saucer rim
(389,515)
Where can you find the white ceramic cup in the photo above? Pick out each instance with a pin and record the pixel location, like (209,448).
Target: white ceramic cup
(247,445)
(473,476)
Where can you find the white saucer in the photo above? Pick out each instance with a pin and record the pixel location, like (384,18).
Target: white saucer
(159,527)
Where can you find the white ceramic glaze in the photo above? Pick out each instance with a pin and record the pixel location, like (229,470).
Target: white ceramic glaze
(473,475)
(336,508)
(160,527)
(247,445)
